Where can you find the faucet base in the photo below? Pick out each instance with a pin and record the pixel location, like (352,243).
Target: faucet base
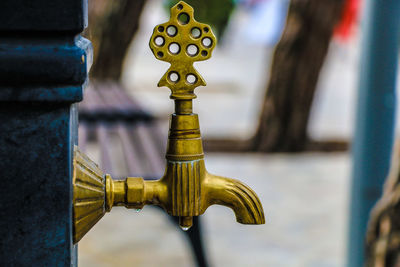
(89,194)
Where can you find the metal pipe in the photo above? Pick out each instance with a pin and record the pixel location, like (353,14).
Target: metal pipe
(375,121)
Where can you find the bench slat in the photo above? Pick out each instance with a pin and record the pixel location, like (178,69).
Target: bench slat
(105,149)
(131,153)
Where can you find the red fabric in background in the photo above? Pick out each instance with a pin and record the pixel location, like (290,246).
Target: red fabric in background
(346,26)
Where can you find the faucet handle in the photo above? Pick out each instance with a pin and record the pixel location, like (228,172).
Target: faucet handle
(181,41)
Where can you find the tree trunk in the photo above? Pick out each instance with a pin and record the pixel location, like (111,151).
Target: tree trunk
(297,61)
(112,26)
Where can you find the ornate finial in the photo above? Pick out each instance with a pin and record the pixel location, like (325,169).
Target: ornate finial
(181,41)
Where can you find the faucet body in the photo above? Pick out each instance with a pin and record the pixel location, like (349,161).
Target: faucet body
(187,189)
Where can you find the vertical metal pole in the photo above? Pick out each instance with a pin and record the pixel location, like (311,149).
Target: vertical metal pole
(43,69)
(375,123)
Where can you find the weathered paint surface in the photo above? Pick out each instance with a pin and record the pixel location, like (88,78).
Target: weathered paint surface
(43,15)
(32,62)
(43,70)
(35,186)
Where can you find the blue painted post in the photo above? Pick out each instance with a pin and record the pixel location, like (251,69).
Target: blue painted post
(375,123)
(43,69)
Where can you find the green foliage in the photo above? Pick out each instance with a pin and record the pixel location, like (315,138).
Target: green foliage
(213,12)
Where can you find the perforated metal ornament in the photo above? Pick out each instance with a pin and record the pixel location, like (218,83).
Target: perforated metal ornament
(182,41)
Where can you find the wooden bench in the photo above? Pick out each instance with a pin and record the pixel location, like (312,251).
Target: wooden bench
(130,141)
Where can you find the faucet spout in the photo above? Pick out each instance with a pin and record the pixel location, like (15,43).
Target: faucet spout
(237,196)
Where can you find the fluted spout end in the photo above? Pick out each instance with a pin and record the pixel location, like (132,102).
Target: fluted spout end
(237,196)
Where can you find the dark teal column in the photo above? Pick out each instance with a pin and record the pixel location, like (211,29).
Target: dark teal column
(375,123)
(43,70)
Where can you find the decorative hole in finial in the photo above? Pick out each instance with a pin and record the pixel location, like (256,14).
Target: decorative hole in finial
(180,7)
(195,32)
(172,31)
(183,18)
(174,48)
(160,28)
(191,78)
(206,29)
(207,42)
(160,54)
(204,53)
(192,50)
(173,76)
(159,41)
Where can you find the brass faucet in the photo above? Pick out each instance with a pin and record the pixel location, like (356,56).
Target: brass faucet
(186,189)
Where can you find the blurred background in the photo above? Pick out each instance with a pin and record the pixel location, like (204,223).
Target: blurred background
(277,113)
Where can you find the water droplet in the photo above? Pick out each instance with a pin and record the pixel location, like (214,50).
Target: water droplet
(138,210)
(185,228)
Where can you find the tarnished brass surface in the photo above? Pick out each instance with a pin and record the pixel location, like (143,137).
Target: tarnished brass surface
(186,189)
